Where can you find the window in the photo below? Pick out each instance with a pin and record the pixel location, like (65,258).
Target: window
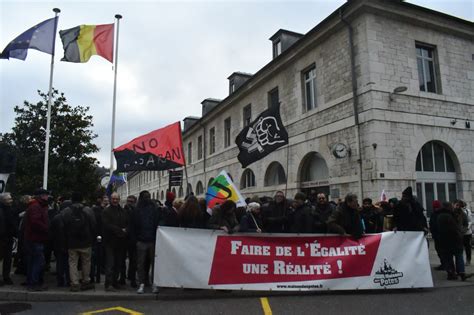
(227,132)
(434,158)
(247,115)
(199,147)
(212,140)
(199,188)
(273,98)
(309,78)
(190,152)
(248,179)
(231,86)
(427,77)
(276,48)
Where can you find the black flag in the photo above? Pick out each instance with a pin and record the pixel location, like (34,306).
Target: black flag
(261,137)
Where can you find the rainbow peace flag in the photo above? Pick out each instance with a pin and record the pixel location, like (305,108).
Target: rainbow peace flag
(222,189)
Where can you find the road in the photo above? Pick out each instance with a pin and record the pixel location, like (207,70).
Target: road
(451,300)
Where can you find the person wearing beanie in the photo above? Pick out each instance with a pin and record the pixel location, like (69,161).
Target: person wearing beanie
(434,229)
(408,214)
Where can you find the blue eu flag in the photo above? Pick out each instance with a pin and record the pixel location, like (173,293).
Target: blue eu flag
(40,37)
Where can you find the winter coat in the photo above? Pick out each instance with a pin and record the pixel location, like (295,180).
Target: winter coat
(450,235)
(58,234)
(169,216)
(36,221)
(250,223)
(79,226)
(321,215)
(115,222)
(145,219)
(97,210)
(218,220)
(8,222)
(345,220)
(275,217)
(301,220)
(408,216)
(373,220)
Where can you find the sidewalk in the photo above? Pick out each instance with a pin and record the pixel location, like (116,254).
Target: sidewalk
(19,293)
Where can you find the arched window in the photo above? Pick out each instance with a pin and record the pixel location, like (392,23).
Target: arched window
(189,189)
(435,174)
(174,191)
(314,168)
(248,179)
(180,194)
(162,195)
(275,175)
(199,188)
(153,195)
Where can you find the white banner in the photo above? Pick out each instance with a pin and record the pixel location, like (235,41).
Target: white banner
(207,259)
(3,182)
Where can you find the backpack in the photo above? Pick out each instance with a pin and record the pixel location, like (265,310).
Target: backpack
(79,228)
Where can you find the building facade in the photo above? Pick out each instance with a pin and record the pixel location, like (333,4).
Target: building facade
(378,96)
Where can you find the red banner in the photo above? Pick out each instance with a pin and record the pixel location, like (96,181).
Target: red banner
(246,259)
(158,150)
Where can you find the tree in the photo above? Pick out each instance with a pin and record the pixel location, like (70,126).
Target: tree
(71,168)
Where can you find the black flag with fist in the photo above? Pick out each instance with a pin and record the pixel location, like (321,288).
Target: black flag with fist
(261,137)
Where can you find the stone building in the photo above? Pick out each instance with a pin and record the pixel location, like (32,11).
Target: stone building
(378,96)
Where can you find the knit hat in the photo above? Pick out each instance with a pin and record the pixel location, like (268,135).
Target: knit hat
(436,204)
(170,196)
(253,206)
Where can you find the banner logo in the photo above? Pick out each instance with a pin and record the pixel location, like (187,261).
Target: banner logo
(387,275)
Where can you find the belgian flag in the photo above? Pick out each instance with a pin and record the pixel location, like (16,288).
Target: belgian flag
(81,42)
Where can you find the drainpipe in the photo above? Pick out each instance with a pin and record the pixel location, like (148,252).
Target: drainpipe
(204,155)
(355,102)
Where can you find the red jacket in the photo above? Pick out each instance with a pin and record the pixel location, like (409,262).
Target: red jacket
(36,221)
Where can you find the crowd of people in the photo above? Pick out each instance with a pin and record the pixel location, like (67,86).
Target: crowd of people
(119,240)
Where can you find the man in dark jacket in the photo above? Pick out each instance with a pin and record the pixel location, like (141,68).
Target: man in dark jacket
(300,219)
(58,235)
(275,214)
(8,230)
(321,213)
(170,214)
(114,224)
(131,251)
(373,219)
(345,220)
(408,214)
(97,257)
(79,225)
(450,243)
(36,234)
(144,222)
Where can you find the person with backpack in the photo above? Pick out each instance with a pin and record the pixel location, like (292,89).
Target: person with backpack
(79,226)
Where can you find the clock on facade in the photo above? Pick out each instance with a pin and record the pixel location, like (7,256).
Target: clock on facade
(340,150)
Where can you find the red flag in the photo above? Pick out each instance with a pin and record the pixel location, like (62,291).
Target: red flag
(161,149)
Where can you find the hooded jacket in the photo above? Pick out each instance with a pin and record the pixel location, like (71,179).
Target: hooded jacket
(36,221)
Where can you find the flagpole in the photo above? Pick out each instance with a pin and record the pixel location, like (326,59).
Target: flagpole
(287,166)
(48,116)
(118,17)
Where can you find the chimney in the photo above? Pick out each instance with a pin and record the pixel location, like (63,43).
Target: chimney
(189,122)
(282,40)
(236,80)
(208,104)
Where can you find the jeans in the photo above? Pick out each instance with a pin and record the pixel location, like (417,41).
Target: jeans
(7,259)
(62,268)
(145,252)
(448,263)
(467,239)
(114,255)
(34,262)
(97,262)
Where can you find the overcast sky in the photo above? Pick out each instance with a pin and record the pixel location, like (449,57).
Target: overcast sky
(172,55)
